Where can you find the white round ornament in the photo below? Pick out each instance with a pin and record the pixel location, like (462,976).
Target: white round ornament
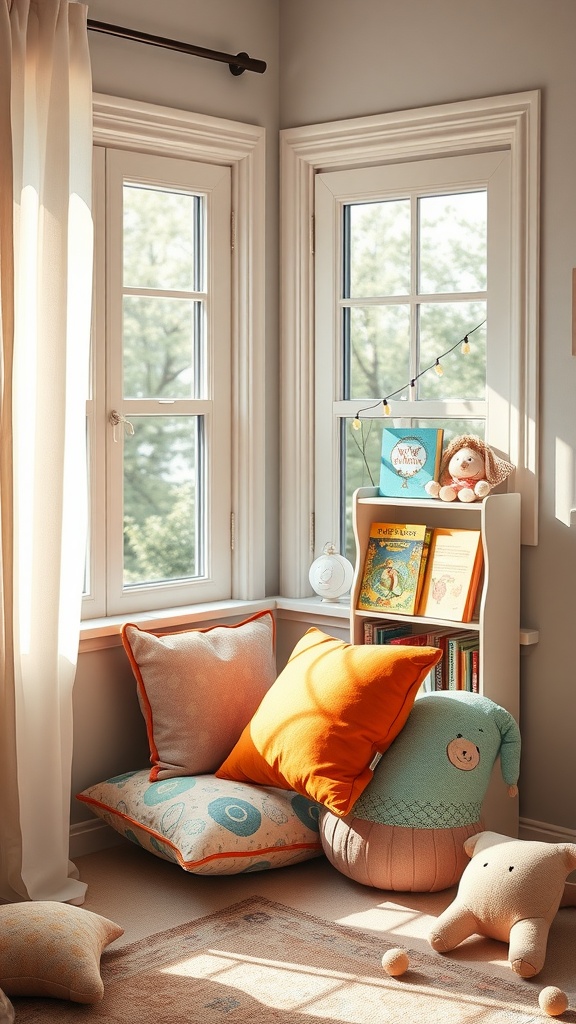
(331,574)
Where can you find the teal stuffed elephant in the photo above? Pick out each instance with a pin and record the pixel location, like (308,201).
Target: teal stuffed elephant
(406,831)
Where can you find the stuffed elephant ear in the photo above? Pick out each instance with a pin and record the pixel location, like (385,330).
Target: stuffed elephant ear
(509,746)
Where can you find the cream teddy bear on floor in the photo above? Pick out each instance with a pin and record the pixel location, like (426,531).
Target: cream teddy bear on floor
(510,891)
(468,471)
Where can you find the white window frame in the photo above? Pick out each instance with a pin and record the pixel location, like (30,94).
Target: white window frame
(336,189)
(132,125)
(503,123)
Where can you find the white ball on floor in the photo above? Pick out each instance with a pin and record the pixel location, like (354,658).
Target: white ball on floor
(395,962)
(553,1001)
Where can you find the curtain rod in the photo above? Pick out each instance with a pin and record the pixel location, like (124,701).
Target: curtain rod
(238,63)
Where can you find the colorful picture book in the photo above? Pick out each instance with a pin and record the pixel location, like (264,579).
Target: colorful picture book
(393,576)
(453,575)
(410,459)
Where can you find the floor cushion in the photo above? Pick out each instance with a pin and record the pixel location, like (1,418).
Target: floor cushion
(209,826)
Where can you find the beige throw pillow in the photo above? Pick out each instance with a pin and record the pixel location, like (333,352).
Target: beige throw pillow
(53,949)
(198,689)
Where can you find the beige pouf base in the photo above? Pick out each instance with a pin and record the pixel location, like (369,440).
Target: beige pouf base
(396,857)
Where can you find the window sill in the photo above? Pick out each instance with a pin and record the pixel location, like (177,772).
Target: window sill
(96,634)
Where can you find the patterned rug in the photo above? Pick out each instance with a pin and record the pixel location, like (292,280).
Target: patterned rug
(259,962)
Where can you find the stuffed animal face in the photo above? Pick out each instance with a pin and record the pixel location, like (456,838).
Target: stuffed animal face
(511,891)
(436,772)
(466,464)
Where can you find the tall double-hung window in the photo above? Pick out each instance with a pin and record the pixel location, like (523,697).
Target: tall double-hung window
(402,322)
(411,300)
(166,420)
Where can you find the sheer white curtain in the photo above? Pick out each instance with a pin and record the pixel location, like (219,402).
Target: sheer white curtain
(45,300)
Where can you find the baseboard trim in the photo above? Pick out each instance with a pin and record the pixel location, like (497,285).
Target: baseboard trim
(544,832)
(91,836)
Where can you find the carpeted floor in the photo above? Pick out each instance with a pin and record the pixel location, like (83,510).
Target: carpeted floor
(301,944)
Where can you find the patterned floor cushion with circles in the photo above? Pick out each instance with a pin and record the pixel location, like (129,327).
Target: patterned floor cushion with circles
(209,826)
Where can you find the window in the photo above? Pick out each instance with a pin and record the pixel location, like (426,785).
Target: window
(414,256)
(178,219)
(424,228)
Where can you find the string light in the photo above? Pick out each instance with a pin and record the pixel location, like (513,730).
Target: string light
(436,366)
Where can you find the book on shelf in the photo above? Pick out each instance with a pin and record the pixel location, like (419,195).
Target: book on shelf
(453,573)
(410,459)
(456,646)
(391,579)
(428,684)
(378,632)
(439,638)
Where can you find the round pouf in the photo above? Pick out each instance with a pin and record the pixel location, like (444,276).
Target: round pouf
(393,856)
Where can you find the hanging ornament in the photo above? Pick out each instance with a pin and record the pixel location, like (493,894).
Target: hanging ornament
(331,574)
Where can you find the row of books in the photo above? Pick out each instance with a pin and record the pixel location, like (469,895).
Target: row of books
(412,569)
(459,666)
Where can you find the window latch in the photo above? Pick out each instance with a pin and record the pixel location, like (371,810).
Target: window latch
(116,418)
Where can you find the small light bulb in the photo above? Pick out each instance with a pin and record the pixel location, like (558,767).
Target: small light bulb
(465,346)
(438,368)
(386,409)
(356,424)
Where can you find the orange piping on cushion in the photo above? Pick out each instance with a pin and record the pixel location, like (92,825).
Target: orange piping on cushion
(205,860)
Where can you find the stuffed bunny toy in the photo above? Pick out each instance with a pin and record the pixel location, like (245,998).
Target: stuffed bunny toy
(468,471)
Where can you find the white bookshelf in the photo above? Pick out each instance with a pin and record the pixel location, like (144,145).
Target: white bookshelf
(498,624)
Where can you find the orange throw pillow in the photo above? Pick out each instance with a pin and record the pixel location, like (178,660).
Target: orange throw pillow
(333,708)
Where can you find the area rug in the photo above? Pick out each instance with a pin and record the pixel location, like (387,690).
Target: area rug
(259,962)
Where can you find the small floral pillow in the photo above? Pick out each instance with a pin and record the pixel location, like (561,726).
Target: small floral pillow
(209,826)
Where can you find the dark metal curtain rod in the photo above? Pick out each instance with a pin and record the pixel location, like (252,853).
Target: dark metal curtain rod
(238,63)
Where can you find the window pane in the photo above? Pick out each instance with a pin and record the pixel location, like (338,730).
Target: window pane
(360,468)
(162,340)
(378,349)
(161,232)
(453,243)
(379,249)
(162,484)
(442,325)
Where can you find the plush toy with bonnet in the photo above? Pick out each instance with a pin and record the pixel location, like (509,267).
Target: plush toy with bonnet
(468,471)
(510,891)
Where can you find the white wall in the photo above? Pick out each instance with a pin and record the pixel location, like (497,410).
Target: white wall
(347,58)
(333,59)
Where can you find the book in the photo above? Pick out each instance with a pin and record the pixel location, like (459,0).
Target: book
(410,459)
(438,637)
(454,658)
(428,684)
(385,634)
(392,567)
(423,564)
(475,672)
(452,575)
(467,648)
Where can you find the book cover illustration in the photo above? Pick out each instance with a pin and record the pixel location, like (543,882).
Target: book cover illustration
(392,568)
(410,459)
(453,575)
